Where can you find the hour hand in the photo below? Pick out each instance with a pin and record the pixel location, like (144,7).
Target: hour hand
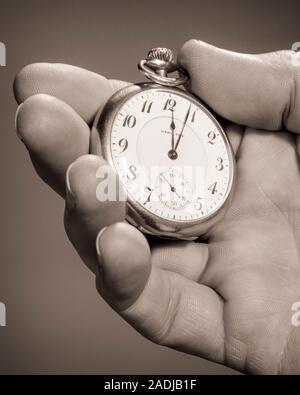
(173,127)
(172,153)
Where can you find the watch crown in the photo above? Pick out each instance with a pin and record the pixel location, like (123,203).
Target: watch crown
(159,63)
(162,54)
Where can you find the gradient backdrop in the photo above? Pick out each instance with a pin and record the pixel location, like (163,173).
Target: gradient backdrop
(56,323)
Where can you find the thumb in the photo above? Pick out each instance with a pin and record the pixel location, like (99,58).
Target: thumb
(164,306)
(124,264)
(260,91)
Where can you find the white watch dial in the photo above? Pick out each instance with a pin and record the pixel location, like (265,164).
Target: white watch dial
(171,155)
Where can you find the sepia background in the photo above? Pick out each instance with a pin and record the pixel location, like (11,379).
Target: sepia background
(56,322)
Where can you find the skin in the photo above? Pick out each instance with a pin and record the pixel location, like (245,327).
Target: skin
(228,299)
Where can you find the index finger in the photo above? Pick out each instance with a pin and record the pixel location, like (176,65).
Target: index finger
(81,89)
(259,91)
(59,101)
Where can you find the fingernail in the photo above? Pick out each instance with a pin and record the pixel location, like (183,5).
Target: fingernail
(98,241)
(70,197)
(16,122)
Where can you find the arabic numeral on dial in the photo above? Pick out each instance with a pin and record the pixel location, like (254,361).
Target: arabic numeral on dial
(170,104)
(132,175)
(220,164)
(198,204)
(211,137)
(194,116)
(213,188)
(147,107)
(123,143)
(130,121)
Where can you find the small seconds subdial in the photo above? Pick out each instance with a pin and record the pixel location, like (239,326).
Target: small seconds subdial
(173,190)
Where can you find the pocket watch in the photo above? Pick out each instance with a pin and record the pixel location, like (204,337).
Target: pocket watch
(171,155)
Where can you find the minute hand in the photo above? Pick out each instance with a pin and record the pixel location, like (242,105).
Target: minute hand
(183,126)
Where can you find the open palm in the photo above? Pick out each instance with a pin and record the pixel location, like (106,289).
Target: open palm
(229,298)
(253,257)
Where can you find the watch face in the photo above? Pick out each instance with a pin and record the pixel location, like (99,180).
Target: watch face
(171,155)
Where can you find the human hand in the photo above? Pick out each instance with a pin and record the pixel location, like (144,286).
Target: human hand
(227,299)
